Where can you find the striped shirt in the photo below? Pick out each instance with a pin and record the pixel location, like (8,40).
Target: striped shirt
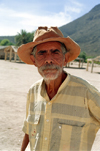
(67,122)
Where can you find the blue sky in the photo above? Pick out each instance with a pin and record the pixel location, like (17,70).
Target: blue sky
(29,14)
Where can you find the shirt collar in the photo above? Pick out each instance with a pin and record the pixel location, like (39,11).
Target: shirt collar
(43,87)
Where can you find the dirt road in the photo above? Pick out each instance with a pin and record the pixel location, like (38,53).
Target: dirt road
(15,80)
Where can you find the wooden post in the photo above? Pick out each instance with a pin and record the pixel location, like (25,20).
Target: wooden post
(5,55)
(79,62)
(15,56)
(68,64)
(82,63)
(92,66)
(87,65)
(10,57)
(19,60)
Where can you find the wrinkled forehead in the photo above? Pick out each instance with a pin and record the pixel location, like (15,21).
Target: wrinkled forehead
(49,45)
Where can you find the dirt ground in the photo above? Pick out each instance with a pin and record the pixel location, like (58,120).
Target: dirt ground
(15,80)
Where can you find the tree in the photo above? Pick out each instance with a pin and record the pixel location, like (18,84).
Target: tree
(24,37)
(5,42)
(83,55)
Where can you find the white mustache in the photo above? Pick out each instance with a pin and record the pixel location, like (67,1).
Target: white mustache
(49,66)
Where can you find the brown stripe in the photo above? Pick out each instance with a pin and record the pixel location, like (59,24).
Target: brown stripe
(70,110)
(71,122)
(39,130)
(74,91)
(75,138)
(55,136)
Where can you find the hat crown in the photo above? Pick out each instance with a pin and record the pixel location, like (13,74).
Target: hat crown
(43,33)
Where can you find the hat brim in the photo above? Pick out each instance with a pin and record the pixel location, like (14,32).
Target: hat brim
(25,50)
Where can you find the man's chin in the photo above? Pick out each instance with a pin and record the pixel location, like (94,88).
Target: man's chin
(50,77)
(50,74)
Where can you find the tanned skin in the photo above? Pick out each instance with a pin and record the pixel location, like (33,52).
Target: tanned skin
(25,142)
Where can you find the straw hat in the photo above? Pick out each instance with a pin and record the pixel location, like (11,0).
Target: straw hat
(44,34)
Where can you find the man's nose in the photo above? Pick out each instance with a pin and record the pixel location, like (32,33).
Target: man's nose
(48,59)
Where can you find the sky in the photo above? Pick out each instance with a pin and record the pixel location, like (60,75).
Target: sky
(16,15)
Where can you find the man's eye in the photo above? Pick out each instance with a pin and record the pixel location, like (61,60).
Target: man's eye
(41,52)
(56,51)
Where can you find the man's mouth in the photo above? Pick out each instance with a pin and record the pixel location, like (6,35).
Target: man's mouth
(49,70)
(49,67)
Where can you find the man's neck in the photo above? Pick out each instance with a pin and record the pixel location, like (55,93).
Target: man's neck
(53,85)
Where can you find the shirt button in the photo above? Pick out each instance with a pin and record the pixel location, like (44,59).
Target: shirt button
(45,138)
(47,120)
(44,103)
(59,127)
(49,103)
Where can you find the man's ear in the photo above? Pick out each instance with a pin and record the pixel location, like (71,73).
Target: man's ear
(67,56)
(33,59)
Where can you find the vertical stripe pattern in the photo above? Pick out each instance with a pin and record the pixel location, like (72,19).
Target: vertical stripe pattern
(68,122)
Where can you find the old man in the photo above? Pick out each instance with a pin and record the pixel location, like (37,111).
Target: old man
(62,111)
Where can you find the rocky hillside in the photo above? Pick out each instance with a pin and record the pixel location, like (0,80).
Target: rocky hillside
(86,31)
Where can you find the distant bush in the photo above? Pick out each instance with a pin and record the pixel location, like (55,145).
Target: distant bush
(5,42)
(83,55)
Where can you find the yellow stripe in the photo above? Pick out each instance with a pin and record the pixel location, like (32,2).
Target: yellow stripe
(65,138)
(71,100)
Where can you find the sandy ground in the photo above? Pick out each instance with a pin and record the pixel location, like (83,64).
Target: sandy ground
(15,80)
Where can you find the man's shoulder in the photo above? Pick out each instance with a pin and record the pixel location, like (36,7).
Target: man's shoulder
(82,82)
(78,80)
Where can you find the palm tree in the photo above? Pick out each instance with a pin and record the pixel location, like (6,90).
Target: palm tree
(23,37)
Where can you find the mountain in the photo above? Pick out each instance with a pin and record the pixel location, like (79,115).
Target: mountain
(85,31)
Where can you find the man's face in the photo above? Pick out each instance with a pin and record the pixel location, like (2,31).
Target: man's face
(49,60)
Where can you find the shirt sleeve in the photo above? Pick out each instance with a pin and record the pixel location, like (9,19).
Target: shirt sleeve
(94,102)
(25,128)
